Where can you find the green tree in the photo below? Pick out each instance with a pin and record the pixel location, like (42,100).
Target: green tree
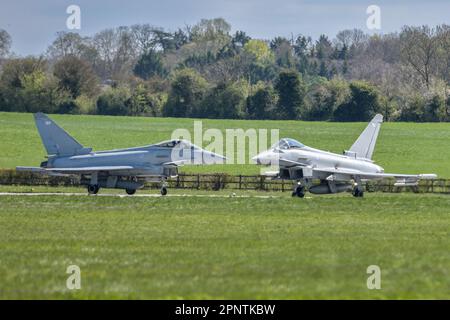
(260,50)
(325,97)
(262,103)
(26,87)
(114,101)
(362,105)
(225,101)
(291,92)
(413,109)
(139,103)
(76,76)
(324,49)
(435,109)
(149,64)
(323,71)
(85,104)
(239,39)
(187,91)
(143,102)
(40,93)
(447,108)
(302,46)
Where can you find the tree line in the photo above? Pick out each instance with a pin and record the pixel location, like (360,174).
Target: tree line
(206,71)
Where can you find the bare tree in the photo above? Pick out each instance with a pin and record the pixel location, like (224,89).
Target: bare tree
(385,47)
(144,37)
(5,43)
(210,29)
(419,50)
(65,44)
(443,34)
(352,39)
(117,51)
(126,53)
(105,44)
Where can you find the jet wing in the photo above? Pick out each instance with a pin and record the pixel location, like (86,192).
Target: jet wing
(401,178)
(79,170)
(31,169)
(89,169)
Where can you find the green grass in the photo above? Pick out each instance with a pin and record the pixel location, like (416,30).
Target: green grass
(225,247)
(232,248)
(401,148)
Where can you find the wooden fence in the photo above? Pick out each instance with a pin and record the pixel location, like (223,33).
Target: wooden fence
(223,181)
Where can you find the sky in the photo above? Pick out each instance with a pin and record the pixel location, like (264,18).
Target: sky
(33,23)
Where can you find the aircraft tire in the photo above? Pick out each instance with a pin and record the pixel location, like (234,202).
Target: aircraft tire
(299,192)
(163,191)
(130,191)
(93,189)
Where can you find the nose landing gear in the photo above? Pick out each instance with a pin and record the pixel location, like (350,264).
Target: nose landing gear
(299,191)
(163,187)
(358,190)
(93,188)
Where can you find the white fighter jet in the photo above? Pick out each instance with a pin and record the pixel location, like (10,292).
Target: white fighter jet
(336,172)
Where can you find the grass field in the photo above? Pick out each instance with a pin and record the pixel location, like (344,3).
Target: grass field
(199,247)
(401,148)
(201,244)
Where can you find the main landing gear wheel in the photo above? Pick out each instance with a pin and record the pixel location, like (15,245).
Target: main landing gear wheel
(130,191)
(163,191)
(299,191)
(93,189)
(358,193)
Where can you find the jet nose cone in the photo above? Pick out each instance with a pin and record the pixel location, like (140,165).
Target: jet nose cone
(212,158)
(256,159)
(218,156)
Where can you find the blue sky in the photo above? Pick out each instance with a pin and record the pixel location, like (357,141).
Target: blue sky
(34,23)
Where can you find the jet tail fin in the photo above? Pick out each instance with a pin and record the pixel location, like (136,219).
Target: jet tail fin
(365,144)
(57,141)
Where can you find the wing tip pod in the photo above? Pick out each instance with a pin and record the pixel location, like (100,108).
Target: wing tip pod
(31,169)
(428,176)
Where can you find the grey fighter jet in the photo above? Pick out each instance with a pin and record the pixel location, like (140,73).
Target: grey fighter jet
(120,169)
(335,172)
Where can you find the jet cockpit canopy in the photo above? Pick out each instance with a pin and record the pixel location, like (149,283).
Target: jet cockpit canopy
(178,143)
(287,143)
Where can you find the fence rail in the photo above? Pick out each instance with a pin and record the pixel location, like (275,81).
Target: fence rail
(223,181)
